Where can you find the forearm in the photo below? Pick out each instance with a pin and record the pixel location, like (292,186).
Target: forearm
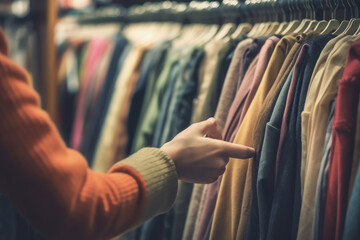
(52,185)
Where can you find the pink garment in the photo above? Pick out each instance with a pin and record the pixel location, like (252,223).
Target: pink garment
(248,88)
(284,123)
(95,50)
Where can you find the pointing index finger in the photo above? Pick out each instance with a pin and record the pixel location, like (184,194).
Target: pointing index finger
(238,151)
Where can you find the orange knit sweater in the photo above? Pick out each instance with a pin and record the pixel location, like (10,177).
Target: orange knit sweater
(52,185)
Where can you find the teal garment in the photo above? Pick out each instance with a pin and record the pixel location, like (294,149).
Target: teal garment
(265,173)
(146,129)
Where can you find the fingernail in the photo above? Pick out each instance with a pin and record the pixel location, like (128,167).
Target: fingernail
(252,150)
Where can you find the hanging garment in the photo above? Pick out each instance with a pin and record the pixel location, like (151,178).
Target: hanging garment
(152,61)
(351,229)
(342,147)
(145,133)
(322,183)
(248,88)
(94,90)
(121,50)
(333,71)
(288,179)
(281,77)
(154,228)
(313,91)
(250,53)
(69,86)
(181,118)
(227,215)
(149,91)
(187,63)
(96,47)
(264,165)
(205,104)
(105,155)
(356,155)
(226,98)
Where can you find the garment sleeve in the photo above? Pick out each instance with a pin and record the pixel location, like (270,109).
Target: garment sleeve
(52,185)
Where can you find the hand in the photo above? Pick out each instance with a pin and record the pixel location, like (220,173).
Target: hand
(200,159)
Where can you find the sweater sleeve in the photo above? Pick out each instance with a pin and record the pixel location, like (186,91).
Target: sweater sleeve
(52,185)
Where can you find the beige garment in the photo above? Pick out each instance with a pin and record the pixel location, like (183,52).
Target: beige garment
(205,107)
(318,119)
(226,98)
(233,190)
(214,50)
(313,91)
(356,156)
(105,155)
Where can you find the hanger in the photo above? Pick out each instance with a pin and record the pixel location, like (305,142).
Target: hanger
(355,14)
(282,27)
(358,13)
(303,26)
(294,23)
(278,11)
(342,27)
(241,30)
(276,25)
(305,22)
(333,24)
(311,26)
(314,23)
(241,15)
(254,29)
(225,31)
(320,26)
(352,27)
(269,8)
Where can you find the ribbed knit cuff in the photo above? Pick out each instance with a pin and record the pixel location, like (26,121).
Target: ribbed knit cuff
(161,178)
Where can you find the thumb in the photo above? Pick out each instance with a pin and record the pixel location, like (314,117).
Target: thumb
(210,128)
